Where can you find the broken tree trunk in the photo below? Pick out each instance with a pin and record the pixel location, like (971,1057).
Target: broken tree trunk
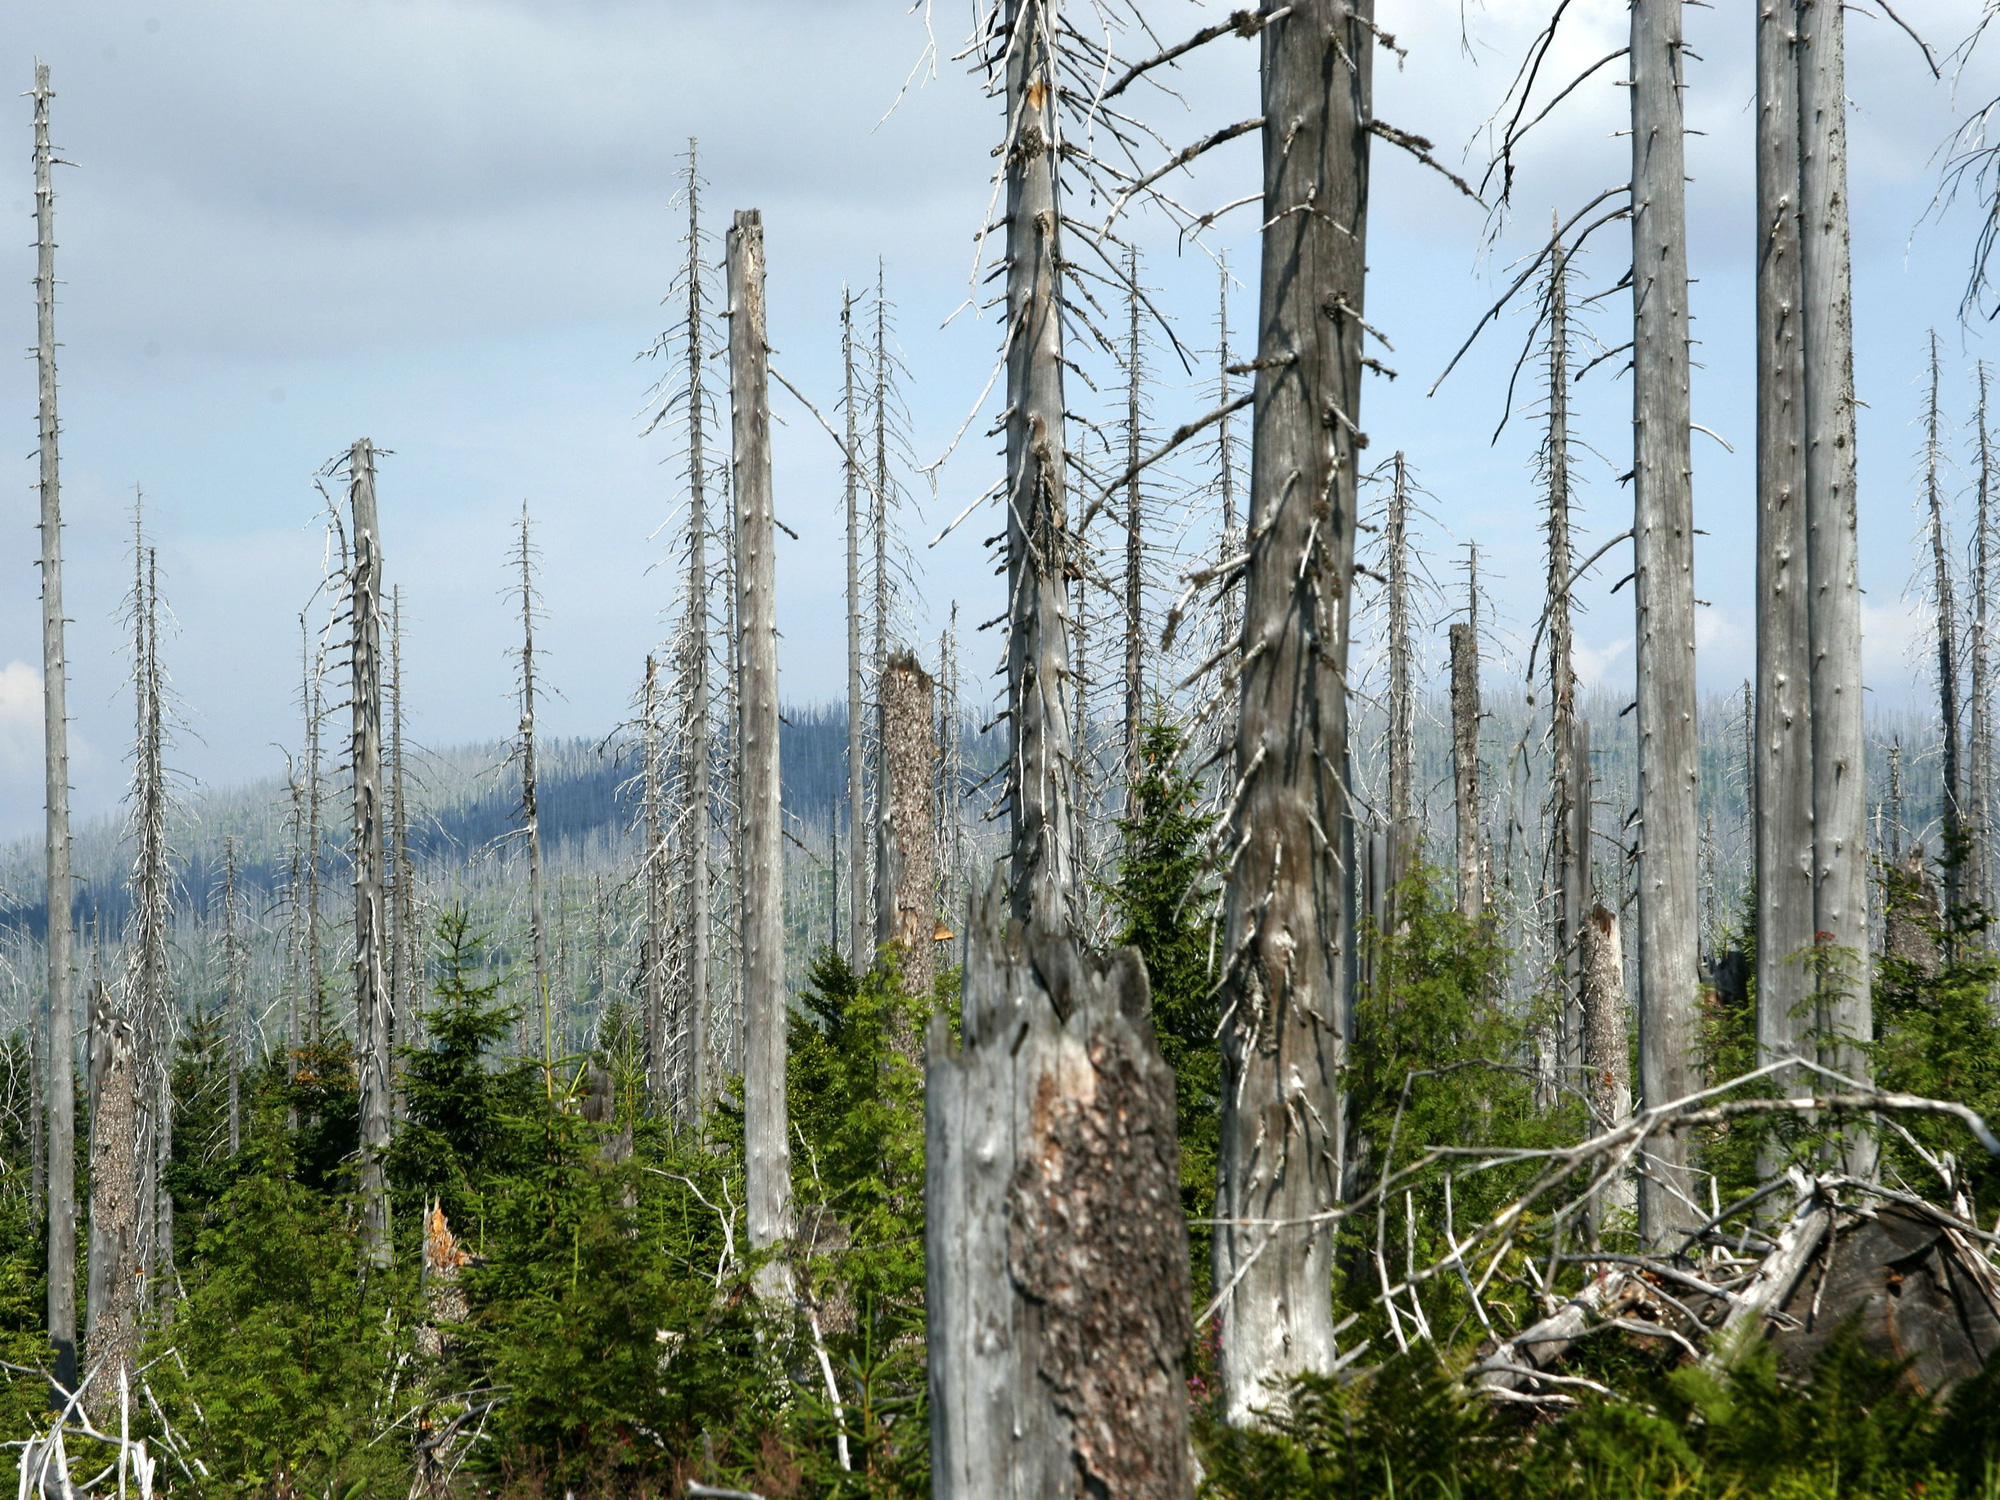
(1663,563)
(371,991)
(767,1146)
(1056,1264)
(58,1070)
(112,1296)
(906,840)
(1465,764)
(1840,788)
(1607,1058)
(1056,1247)
(1289,917)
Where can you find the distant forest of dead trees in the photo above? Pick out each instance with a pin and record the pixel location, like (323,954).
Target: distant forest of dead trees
(1254,576)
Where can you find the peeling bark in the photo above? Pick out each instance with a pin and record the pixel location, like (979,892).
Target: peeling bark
(906,841)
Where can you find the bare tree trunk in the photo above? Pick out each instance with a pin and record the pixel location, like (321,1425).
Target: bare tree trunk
(112,1297)
(1289,923)
(372,1023)
(906,841)
(1135,544)
(1979,780)
(1840,791)
(59,1061)
(1663,531)
(1606,1053)
(1403,835)
(235,999)
(1041,771)
(1465,763)
(1946,633)
(860,951)
(767,1146)
(1571,857)
(700,775)
(531,816)
(653,943)
(1056,1248)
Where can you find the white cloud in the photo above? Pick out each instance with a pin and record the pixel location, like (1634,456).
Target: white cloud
(20,723)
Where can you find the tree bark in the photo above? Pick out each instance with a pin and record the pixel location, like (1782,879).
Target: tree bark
(767,1146)
(112,1297)
(1979,778)
(1783,780)
(1055,1245)
(59,1063)
(700,768)
(371,992)
(1840,792)
(1041,754)
(1664,586)
(1135,545)
(1606,1053)
(1571,856)
(1289,915)
(860,950)
(1403,835)
(531,816)
(906,841)
(1465,765)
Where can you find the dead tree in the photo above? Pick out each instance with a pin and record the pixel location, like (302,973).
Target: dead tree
(653,939)
(1606,1053)
(1979,778)
(235,990)
(906,838)
(1135,540)
(1404,837)
(1288,935)
(1465,759)
(767,1147)
(1663,533)
(860,951)
(531,815)
(112,1295)
(59,1067)
(1782,765)
(1945,633)
(1840,788)
(1055,1247)
(373,1029)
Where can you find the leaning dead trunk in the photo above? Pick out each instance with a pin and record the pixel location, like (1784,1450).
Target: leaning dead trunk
(113,1293)
(372,1025)
(59,1075)
(767,1147)
(1663,533)
(1782,760)
(1289,933)
(1465,764)
(1840,790)
(906,841)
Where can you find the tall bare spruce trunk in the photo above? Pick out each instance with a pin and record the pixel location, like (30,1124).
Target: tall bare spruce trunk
(1944,603)
(906,838)
(699,778)
(1135,543)
(1840,788)
(767,1147)
(1782,764)
(1465,763)
(112,1296)
(861,949)
(1055,1246)
(59,1062)
(1289,924)
(535,1015)
(1403,831)
(1663,531)
(372,1018)
(1979,773)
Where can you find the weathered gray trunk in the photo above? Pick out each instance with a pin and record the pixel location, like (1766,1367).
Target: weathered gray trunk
(1465,765)
(1055,1246)
(1041,772)
(1663,534)
(1569,857)
(906,838)
(373,1030)
(767,1146)
(700,770)
(1606,1052)
(535,1015)
(1840,791)
(1979,774)
(112,1296)
(1403,835)
(653,942)
(1289,917)
(861,948)
(1135,545)
(1944,633)
(59,1064)
(1782,762)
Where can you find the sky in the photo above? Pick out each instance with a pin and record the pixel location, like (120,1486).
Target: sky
(447,226)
